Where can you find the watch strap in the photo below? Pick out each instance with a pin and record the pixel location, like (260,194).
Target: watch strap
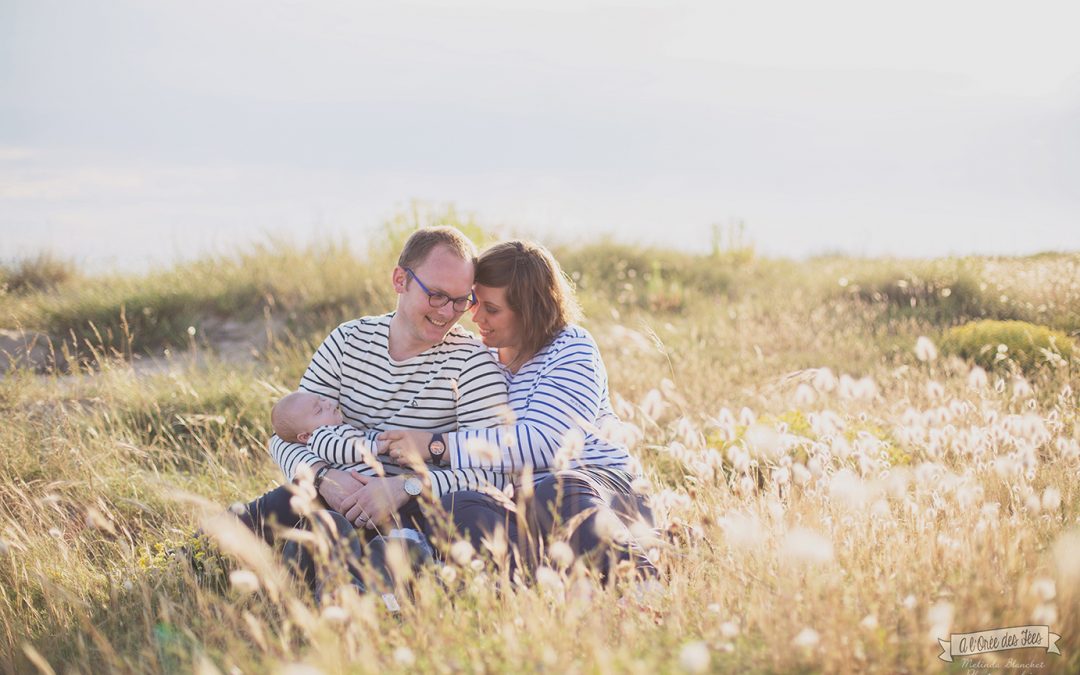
(320,473)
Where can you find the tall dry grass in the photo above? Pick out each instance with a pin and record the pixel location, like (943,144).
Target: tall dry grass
(832,494)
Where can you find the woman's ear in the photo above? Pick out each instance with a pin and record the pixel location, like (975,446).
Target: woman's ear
(303,438)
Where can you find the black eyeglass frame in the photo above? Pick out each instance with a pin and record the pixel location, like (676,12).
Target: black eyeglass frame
(437,299)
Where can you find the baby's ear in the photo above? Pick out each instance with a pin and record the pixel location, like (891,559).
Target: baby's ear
(303,438)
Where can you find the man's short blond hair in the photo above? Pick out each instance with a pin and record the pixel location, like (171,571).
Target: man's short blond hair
(423,242)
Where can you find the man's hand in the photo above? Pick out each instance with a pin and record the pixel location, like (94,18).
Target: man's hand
(405,446)
(376,502)
(337,486)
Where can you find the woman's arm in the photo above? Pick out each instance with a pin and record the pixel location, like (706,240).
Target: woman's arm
(565,403)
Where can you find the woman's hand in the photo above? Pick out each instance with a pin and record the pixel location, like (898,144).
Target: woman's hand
(406,447)
(376,502)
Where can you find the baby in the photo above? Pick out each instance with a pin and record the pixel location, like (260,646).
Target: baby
(317,421)
(296,416)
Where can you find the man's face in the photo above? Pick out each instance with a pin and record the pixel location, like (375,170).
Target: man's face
(442,271)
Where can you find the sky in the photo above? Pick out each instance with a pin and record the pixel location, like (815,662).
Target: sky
(135,133)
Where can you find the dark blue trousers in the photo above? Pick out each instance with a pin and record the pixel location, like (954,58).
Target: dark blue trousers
(577,497)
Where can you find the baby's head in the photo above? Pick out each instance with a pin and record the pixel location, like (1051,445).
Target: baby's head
(297,415)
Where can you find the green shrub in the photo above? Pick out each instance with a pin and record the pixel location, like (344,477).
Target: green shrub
(943,296)
(994,344)
(43,272)
(658,280)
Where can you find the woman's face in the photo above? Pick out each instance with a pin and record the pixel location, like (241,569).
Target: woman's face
(498,324)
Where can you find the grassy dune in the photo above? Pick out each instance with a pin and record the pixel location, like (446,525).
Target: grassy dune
(833,493)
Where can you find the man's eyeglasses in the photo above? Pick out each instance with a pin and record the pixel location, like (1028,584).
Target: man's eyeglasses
(440,299)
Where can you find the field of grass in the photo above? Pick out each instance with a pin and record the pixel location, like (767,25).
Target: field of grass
(834,490)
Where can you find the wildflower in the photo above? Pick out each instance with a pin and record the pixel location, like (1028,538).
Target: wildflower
(807,638)
(729,629)
(561,555)
(848,489)
(762,441)
(461,552)
(869,622)
(746,486)
(448,573)
(909,602)
(694,657)
(747,417)
(1044,589)
(1032,504)
(653,404)
(925,350)
(609,528)
(549,580)
(1045,614)
(497,544)
(977,378)
(403,656)
(244,581)
(841,448)
(800,474)
(804,545)
(935,389)
(865,388)
(847,387)
(782,475)
(742,530)
(1051,499)
(824,380)
(725,423)
(1021,388)
(335,615)
(804,395)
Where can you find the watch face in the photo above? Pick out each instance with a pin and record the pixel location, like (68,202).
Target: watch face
(437,447)
(413,486)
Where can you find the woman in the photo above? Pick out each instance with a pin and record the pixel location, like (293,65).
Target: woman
(559,396)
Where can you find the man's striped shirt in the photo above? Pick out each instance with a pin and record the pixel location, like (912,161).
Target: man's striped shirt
(456,383)
(560,399)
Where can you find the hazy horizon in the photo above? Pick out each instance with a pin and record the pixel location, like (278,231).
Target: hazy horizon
(135,134)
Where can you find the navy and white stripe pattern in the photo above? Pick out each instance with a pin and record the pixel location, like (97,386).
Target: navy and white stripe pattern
(456,383)
(352,449)
(559,393)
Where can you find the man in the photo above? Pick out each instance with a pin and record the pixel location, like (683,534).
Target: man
(410,369)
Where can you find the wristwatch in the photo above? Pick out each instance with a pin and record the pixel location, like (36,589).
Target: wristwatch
(320,473)
(413,486)
(436,447)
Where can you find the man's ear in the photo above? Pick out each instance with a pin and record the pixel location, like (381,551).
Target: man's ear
(303,438)
(399,277)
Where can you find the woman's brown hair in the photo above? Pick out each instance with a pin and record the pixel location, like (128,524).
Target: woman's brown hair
(536,289)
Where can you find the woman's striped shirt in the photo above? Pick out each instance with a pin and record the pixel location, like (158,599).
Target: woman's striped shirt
(561,402)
